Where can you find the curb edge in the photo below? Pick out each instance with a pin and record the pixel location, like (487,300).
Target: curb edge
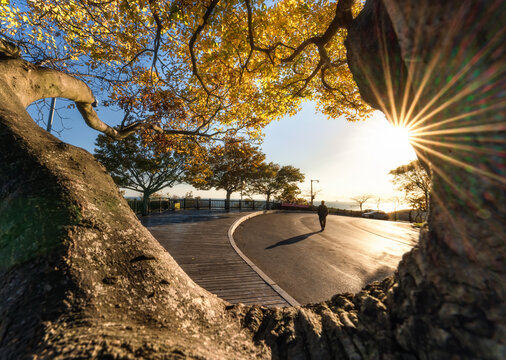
(290,300)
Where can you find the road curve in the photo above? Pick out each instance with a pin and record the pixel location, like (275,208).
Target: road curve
(311,265)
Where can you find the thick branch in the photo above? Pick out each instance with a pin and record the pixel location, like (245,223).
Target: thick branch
(92,120)
(29,83)
(159,27)
(194,39)
(251,39)
(341,20)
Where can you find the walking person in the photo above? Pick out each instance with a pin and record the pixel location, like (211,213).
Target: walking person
(323,211)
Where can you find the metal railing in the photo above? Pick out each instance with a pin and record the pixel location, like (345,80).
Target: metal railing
(166,204)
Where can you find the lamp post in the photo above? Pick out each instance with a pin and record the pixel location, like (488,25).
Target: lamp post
(51,115)
(312,197)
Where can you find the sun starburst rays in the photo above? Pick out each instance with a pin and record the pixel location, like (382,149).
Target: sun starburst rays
(450,102)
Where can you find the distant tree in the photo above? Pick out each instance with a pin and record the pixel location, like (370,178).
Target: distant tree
(378,202)
(291,194)
(156,195)
(414,181)
(226,167)
(361,199)
(396,200)
(271,179)
(138,166)
(313,195)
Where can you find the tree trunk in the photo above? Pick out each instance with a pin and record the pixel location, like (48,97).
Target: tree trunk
(449,292)
(227,201)
(268,204)
(79,275)
(145,203)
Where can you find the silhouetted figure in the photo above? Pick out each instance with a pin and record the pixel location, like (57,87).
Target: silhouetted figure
(322,214)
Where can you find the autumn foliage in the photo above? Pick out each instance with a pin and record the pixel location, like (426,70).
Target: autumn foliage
(205,68)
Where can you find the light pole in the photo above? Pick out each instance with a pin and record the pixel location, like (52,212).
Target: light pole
(312,197)
(51,115)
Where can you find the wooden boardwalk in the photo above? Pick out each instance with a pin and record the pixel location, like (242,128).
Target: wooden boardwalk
(198,241)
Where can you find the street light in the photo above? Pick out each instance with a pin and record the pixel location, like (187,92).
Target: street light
(51,115)
(312,197)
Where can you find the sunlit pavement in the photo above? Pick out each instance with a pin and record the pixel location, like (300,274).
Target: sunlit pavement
(311,265)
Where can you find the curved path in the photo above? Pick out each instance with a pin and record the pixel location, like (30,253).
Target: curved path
(311,265)
(198,241)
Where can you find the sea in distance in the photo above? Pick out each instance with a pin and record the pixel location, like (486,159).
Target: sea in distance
(344,205)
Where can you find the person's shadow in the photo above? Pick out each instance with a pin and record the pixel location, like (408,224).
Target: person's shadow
(292,240)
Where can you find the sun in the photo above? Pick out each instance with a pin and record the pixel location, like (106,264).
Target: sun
(402,133)
(399,135)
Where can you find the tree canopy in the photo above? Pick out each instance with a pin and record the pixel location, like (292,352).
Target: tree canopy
(212,68)
(229,167)
(413,180)
(137,165)
(271,179)
(291,194)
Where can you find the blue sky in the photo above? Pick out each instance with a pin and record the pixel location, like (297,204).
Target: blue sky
(347,158)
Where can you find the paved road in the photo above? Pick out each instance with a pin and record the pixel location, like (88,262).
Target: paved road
(312,266)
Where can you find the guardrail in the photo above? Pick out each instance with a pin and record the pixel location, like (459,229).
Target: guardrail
(166,204)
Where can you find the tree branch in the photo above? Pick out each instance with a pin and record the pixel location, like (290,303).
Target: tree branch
(342,20)
(331,88)
(253,46)
(307,80)
(192,42)
(30,83)
(158,36)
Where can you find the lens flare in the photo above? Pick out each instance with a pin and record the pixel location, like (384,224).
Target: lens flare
(449,101)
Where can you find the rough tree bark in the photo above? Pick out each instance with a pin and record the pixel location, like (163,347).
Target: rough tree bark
(449,292)
(81,277)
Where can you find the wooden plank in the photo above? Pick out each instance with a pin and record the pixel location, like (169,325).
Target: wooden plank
(198,241)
